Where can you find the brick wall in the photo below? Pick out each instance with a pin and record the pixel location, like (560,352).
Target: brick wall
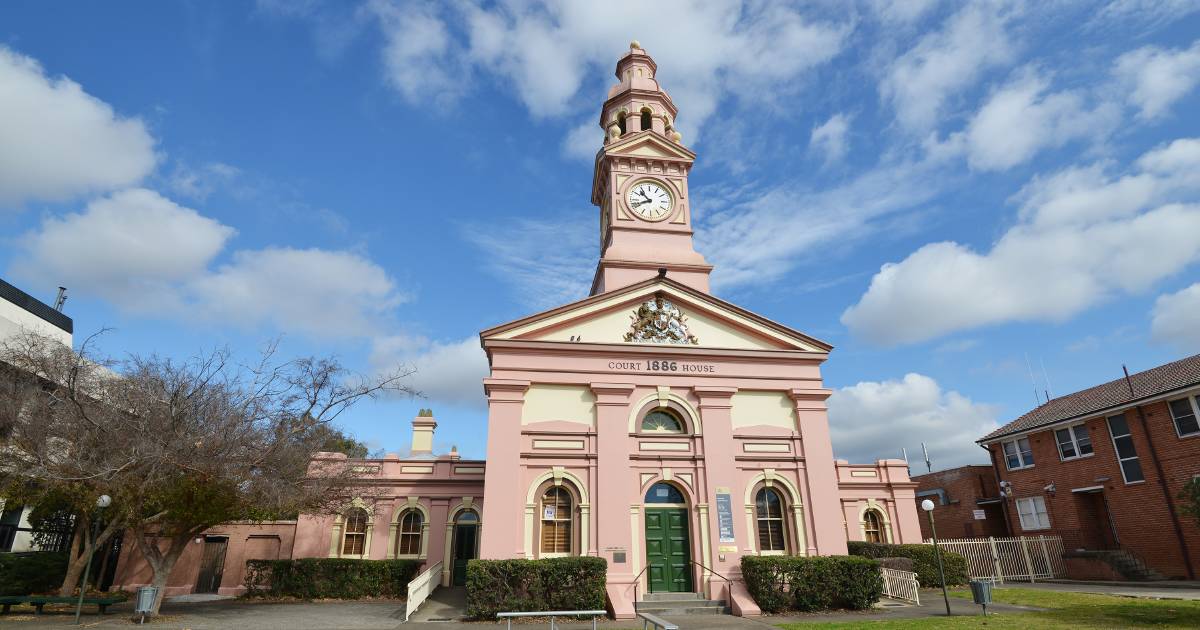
(1139,512)
(961,488)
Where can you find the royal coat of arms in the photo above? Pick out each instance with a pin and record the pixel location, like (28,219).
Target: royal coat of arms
(659,321)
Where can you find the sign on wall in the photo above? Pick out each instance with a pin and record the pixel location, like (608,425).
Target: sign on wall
(725,516)
(980,515)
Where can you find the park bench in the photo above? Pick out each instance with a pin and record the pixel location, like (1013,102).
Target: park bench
(38,601)
(658,622)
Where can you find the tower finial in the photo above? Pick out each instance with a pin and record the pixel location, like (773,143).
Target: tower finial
(635,45)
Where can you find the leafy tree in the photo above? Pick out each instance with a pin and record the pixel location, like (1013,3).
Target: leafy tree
(336,441)
(180,446)
(1190,499)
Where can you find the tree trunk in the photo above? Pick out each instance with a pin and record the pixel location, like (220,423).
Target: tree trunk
(76,559)
(161,562)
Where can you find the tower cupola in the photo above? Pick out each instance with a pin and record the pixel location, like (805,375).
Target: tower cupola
(637,102)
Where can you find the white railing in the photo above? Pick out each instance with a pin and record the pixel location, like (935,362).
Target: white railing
(899,584)
(421,587)
(1019,559)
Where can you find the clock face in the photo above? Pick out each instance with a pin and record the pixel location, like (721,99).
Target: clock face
(650,201)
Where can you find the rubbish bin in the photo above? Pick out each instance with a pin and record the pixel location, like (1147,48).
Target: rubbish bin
(144,603)
(981,592)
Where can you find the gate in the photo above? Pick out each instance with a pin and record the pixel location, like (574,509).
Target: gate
(212,564)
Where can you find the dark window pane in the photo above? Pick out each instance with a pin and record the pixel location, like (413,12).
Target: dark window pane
(1117,425)
(1188,426)
(1083,440)
(1133,470)
(1125,448)
(664,493)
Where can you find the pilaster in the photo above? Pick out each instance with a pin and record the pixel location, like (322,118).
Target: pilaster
(503,472)
(824,502)
(615,490)
(720,468)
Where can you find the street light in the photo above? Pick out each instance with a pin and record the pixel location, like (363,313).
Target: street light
(102,502)
(927,505)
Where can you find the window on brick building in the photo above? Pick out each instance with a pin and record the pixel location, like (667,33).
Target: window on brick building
(1032,512)
(1131,465)
(1018,453)
(1073,442)
(1185,412)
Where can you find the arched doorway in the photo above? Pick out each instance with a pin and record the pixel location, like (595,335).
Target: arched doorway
(668,540)
(466,544)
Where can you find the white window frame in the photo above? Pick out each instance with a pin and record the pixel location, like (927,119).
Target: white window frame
(1045,511)
(1074,442)
(1117,451)
(1195,403)
(1016,442)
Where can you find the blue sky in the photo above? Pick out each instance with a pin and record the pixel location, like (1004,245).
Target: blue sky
(938,189)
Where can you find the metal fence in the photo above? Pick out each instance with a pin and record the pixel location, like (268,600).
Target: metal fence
(899,584)
(1017,559)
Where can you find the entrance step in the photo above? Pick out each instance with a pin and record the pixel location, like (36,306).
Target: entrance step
(681,604)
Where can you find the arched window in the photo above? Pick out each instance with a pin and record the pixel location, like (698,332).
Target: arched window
(354,534)
(557,516)
(621,122)
(661,421)
(772,535)
(873,527)
(662,492)
(408,538)
(647,119)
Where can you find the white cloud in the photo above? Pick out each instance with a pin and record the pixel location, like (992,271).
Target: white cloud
(583,141)
(58,142)
(1156,78)
(873,420)
(147,255)
(200,182)
(945,62)
(1174,319)
(543,51)
(446,372)
(549,262)
(830,138)
(1021,119)
(902,11)
(1082,238)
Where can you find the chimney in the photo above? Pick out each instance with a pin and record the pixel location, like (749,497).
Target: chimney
(422,436)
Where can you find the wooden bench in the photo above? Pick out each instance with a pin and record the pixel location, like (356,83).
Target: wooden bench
(658,622)
(38,601)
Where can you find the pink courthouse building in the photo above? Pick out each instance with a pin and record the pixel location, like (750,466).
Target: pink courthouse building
(651,424)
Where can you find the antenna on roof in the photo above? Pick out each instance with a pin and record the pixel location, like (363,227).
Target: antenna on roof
(1045,377)
(1128,381)
(1033,381)
(61,299)
(928,464)
(904,454)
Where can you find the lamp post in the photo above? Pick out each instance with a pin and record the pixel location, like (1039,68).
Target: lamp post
(102,502)
(927,505)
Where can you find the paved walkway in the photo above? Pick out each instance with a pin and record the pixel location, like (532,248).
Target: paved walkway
(1148,590)
(445,604)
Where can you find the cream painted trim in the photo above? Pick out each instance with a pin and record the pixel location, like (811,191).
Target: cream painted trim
(558,473)
(705,542)
(416,469)
(664,446)
(871,505)
(339,524)
(413,503)
(560,444)
(766,447)
(863,473)
(635,544)
(770,478)
(635,411)
(603,305)
(468,470)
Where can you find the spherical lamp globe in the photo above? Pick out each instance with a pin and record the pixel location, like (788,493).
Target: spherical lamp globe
(927,505)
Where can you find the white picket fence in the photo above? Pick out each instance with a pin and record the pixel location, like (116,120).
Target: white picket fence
(421,587)
(899,584)
(1017,559)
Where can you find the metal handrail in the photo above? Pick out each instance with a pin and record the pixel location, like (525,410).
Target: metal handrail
(659,622)
(728,582)
(508,616)
(637,581)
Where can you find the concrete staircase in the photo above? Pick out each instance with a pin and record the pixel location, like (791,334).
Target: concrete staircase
(1124,562)
(668,604)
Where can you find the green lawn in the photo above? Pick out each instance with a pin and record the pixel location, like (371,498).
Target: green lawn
(1062,610)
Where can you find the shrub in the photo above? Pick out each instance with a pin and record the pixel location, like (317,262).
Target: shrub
(533,585)
(923,557)
(780,583)
(900,564)
(329,578)
(31,573)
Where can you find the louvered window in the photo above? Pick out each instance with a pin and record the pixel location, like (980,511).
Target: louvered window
(556,521)
(769,511)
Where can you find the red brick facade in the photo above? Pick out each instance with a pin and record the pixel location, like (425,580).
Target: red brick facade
(958,493)
(1084,495)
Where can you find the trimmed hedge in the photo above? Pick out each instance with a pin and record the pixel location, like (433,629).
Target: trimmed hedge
(781,583)
(32,573)
(575,583)
(899,564)
(329,578)
(923,557)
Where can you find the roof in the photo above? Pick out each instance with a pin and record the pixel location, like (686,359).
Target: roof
(35,307)
(951,470)
(1116,393)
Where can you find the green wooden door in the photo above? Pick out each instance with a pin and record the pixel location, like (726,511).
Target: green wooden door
(668,551)
(464,550)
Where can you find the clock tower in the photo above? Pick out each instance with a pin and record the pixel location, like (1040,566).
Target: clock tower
(640,185)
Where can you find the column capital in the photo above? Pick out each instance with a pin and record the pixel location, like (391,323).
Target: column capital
(505,390)
(612,393)
(715,396)
(810,398)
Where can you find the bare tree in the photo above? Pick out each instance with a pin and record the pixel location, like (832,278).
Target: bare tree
(180,446)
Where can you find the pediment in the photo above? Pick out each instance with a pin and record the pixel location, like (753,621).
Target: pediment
(649,145)
(657,312)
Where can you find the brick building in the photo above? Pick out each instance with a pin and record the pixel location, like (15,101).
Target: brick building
(968,500)
(1103,468)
